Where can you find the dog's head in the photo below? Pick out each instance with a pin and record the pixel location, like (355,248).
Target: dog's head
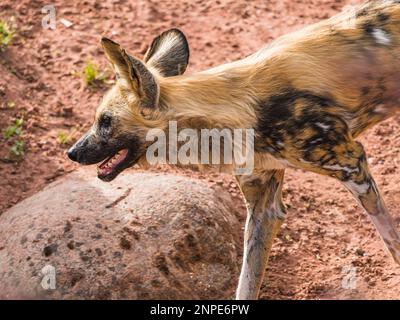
(117,136)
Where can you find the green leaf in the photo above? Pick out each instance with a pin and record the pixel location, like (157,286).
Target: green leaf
(6,35)
(19,122)
(18,148)
(14,130)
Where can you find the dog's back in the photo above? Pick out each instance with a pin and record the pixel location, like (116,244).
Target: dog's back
(352,60)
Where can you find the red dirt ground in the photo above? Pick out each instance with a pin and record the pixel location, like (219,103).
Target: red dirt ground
(39,72)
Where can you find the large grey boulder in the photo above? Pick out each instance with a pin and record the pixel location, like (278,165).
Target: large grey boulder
(143,236)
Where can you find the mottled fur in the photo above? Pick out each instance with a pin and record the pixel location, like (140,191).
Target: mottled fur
(307,95)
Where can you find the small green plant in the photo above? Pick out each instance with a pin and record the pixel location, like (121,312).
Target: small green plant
(91,74)
(17,149)
(14,130)
(63,138)
(6,35)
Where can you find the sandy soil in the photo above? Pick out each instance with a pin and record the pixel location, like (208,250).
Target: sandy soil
(40,81)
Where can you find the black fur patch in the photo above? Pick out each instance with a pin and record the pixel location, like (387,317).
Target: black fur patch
(276,119)
(383,17)
(368,27)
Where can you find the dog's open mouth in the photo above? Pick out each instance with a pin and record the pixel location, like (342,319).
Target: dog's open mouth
(113,165)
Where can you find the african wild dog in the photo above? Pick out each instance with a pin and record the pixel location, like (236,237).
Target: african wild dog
(307,95)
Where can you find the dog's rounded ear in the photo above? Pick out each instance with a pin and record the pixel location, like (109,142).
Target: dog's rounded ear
(169,53)
(132,74)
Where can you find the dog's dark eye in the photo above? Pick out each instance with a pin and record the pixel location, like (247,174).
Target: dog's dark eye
(105,121)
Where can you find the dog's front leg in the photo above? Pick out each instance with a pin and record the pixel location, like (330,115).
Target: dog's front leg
(265,214)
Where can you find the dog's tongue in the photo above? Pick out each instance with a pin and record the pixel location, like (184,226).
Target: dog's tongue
(109,164)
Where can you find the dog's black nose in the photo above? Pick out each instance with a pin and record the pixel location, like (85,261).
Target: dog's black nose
(73,154)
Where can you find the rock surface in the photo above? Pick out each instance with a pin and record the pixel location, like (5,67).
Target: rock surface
(143,236)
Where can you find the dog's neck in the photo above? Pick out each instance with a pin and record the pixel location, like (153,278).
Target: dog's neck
(209,100)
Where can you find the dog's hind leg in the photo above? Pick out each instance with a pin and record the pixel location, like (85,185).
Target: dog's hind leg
(366,192)
(341,157)
(265,214)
